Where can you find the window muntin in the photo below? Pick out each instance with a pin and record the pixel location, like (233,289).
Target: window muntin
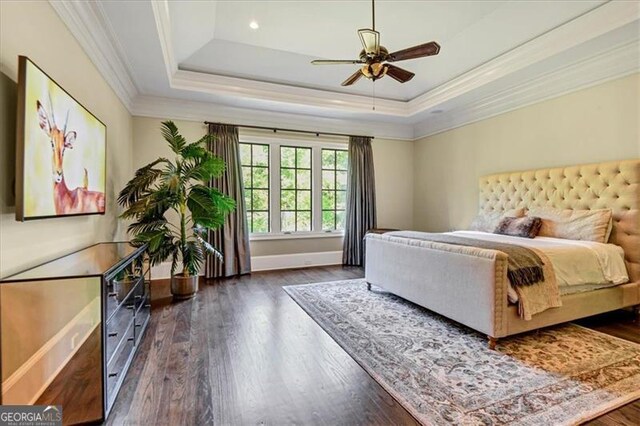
(296,205)
(334,188)
(254,159)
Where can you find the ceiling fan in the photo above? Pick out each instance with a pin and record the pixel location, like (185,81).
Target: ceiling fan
(375,58)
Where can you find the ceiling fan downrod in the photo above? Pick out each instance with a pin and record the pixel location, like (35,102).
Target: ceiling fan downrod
(373,14)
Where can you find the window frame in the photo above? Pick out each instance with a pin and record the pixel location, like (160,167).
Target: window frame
(252,166)
(274,184)
(334,171)
(295,190)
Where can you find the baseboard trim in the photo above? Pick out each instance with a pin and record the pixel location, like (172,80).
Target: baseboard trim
(295,260)
(271,262)
(31,379)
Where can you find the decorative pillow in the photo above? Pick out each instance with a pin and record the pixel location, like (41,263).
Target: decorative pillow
(488,221)
(586,225)
(526,227)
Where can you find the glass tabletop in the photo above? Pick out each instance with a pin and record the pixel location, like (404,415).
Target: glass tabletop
(92,261)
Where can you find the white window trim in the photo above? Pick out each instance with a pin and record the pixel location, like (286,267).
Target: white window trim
(274,187)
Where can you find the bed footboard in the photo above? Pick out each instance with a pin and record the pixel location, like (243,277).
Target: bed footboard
(465,284)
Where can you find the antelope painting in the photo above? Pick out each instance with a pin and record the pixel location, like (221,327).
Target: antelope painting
(67,201)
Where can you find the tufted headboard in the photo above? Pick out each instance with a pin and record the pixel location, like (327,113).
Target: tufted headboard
(614,185)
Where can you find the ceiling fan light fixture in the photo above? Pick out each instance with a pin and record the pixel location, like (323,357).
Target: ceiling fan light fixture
(374,71)
(365,71)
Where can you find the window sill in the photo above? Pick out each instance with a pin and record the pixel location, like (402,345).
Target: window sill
(296,236)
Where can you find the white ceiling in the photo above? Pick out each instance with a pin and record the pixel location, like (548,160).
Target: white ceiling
(205,52)
(291,34)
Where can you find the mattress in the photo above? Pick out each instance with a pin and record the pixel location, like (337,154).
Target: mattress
(579,265)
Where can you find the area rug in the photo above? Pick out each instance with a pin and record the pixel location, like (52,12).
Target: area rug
(444,373)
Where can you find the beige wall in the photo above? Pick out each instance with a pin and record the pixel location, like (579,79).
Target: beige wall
(393,164)
(34,29)
(597,124)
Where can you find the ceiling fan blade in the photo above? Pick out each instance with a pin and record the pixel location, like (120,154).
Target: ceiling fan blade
(353,78)
(427,49)
(336,61)
(398,73)
(370,41)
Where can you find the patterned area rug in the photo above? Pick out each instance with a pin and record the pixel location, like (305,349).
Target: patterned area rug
(443,373)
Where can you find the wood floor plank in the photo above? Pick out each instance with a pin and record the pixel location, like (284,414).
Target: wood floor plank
(242,352)
(173,404)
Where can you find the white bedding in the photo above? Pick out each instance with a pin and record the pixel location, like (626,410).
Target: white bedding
(578,265)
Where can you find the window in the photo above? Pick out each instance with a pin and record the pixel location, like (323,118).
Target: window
(293,188)
(254,159)
(334,188)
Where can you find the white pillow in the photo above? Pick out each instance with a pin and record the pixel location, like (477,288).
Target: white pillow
(488,221)
(585,225)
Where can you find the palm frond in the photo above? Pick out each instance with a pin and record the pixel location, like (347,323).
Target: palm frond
(208,206)
(152,205)
(175,258)
(146,225)
(198,148)
(208,168)
(176,141)
(143,179)
(193,257)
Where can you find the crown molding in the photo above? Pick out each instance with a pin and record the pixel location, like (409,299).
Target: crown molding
(163,26)
(179,109)
(280,93)
(616,63)
(88,24)
(606,18)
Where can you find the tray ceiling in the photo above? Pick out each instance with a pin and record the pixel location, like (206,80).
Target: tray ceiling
(206,52)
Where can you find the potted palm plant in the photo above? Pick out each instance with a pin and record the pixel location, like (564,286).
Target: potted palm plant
(173,208)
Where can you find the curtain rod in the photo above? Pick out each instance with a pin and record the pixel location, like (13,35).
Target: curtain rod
(275,129)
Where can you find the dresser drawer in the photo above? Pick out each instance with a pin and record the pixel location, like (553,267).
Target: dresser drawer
(116,368)
(142,317)
(116,330)
(118,292)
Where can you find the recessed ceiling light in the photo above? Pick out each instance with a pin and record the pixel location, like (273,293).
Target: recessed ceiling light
(254,25)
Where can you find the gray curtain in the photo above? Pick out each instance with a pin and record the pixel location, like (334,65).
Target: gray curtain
(233,238)
(361,200)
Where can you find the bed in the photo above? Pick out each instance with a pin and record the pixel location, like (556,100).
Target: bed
(469,284)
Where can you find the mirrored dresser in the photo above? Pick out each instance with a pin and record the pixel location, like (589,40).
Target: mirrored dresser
(70,328)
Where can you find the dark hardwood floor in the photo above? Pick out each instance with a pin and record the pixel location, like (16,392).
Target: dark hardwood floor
(242,352)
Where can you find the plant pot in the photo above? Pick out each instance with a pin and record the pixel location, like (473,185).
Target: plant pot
(184,287)
(123,287)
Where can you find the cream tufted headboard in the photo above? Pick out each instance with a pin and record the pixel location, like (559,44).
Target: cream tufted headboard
(614,185)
